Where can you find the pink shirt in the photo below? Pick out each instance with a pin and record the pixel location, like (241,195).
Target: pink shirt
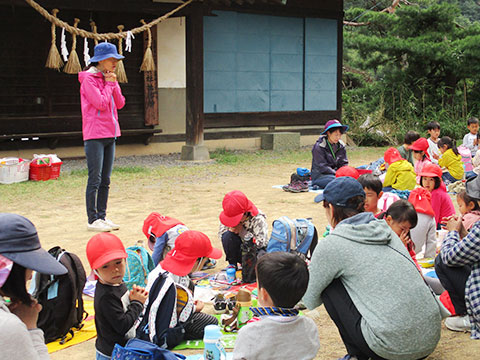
(470,218)
(419,167)
(441,203)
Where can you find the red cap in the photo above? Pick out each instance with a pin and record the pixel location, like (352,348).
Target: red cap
(235,205)
(420,145)
(421,201)
(392,155)
(189,246)
(104,247)
(347,171)
(431,170)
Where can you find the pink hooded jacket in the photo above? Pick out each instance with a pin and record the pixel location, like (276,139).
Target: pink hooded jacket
(441,203)
(100,100)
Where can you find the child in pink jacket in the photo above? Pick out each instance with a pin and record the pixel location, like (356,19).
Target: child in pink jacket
(100,97)
(431,179)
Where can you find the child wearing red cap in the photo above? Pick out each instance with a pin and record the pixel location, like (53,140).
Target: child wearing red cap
(242,225)
(116,309)
(423,235)
(400,174)
(421,156)
(192,250)
(431,179)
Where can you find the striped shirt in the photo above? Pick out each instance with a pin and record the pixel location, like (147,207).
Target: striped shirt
(461,252)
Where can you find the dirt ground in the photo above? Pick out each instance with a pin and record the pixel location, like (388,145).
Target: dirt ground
(196,200)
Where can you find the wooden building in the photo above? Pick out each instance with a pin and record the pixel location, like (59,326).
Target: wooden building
(254,65)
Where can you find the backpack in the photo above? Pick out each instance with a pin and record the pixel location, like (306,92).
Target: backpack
(297,236)
(138,349)
(138,266)
(168,309)
(61,297)
(155,225)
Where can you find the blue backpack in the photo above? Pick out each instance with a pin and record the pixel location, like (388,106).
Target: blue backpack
(297,236)
(139,265)
(137,349)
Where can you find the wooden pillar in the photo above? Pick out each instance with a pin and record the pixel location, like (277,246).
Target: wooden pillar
(194,148)
(151,82)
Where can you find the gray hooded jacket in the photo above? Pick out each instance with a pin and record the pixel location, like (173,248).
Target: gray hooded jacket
(400,318)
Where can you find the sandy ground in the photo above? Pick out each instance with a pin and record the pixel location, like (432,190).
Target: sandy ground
(196,200)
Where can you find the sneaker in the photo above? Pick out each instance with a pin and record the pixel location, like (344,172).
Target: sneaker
(209,264)
(296,187)
(111,224)
(458,323)
(99,225)
(219,304)
(231,302)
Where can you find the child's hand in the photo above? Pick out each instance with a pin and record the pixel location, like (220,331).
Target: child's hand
(199,305)
(110,76)
(404,236)
(452,223)
(27,313)
(139,294)
(436,156)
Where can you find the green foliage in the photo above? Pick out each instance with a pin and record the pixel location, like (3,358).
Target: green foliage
(408,68)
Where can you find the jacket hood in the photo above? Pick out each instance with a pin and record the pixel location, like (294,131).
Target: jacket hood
(93,71)
(364,228)
(402,165)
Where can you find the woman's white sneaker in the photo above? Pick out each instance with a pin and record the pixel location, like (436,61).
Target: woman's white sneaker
(99,225)
(458,323)
(111,224)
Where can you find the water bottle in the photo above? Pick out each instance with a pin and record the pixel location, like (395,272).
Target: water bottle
(213,346)
(231,275)
(244,299)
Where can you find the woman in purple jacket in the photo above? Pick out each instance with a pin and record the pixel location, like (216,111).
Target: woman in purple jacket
(328,154)
(100,98)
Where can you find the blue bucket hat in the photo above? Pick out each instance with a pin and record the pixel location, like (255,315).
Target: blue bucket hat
(331,124)
(105,50)
(19,243)
(340,190)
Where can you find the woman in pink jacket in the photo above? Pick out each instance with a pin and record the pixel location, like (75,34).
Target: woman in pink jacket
(431,179)
(100,98)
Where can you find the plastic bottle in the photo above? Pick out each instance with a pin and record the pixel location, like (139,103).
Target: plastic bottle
(213,346)
(244,299)
(231,275)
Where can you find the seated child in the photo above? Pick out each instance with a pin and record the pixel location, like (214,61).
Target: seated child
(405,151)
(282,281)
(421,156)
(373,192)
(400,174)
(347,171)
(451,160)
(161,231)
(470,140)
(431,179)
(116,309)
(192,249)
(424,234)
(242,226)
(401,217)
(469,209)
(433,129)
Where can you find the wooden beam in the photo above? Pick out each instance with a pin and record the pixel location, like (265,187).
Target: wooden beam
(151,82)
(194,67)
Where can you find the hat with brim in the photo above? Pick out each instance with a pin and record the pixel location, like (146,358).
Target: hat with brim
(392,155)
(103,248)
(420,145)
(189,246)
(340,190)
(105,51)
(19,242)
(332,124)
(431,170)
(235,204)
(472,187)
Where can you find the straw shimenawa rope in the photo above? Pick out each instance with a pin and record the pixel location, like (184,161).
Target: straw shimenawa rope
(148,63)
(104,36)
(54,61)
(120,69)
(94,30)
(73,64)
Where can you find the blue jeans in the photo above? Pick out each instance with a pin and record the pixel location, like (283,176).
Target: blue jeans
(100,154)
(323,181)
(470,174)
(448,178)
(100,356)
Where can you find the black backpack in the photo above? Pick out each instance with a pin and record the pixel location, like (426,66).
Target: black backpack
(61,298)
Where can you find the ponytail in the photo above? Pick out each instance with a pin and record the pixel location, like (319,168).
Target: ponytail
(449,142)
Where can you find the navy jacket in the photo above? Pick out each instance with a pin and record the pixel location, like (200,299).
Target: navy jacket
(323,161)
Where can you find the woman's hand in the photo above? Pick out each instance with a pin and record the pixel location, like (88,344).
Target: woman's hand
(110,76)
(27,313)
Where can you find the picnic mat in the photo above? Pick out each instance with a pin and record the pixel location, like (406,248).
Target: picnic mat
(200,357)
(87,332)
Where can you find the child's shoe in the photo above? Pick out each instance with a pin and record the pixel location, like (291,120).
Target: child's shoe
(231,302)
(219,304)
(458,323)
(209,264)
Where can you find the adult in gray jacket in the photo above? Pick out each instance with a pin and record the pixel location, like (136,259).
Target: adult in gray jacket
(368,283)
(20,253)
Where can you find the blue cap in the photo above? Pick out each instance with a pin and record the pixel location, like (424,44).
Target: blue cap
(105,50)
(340,190)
